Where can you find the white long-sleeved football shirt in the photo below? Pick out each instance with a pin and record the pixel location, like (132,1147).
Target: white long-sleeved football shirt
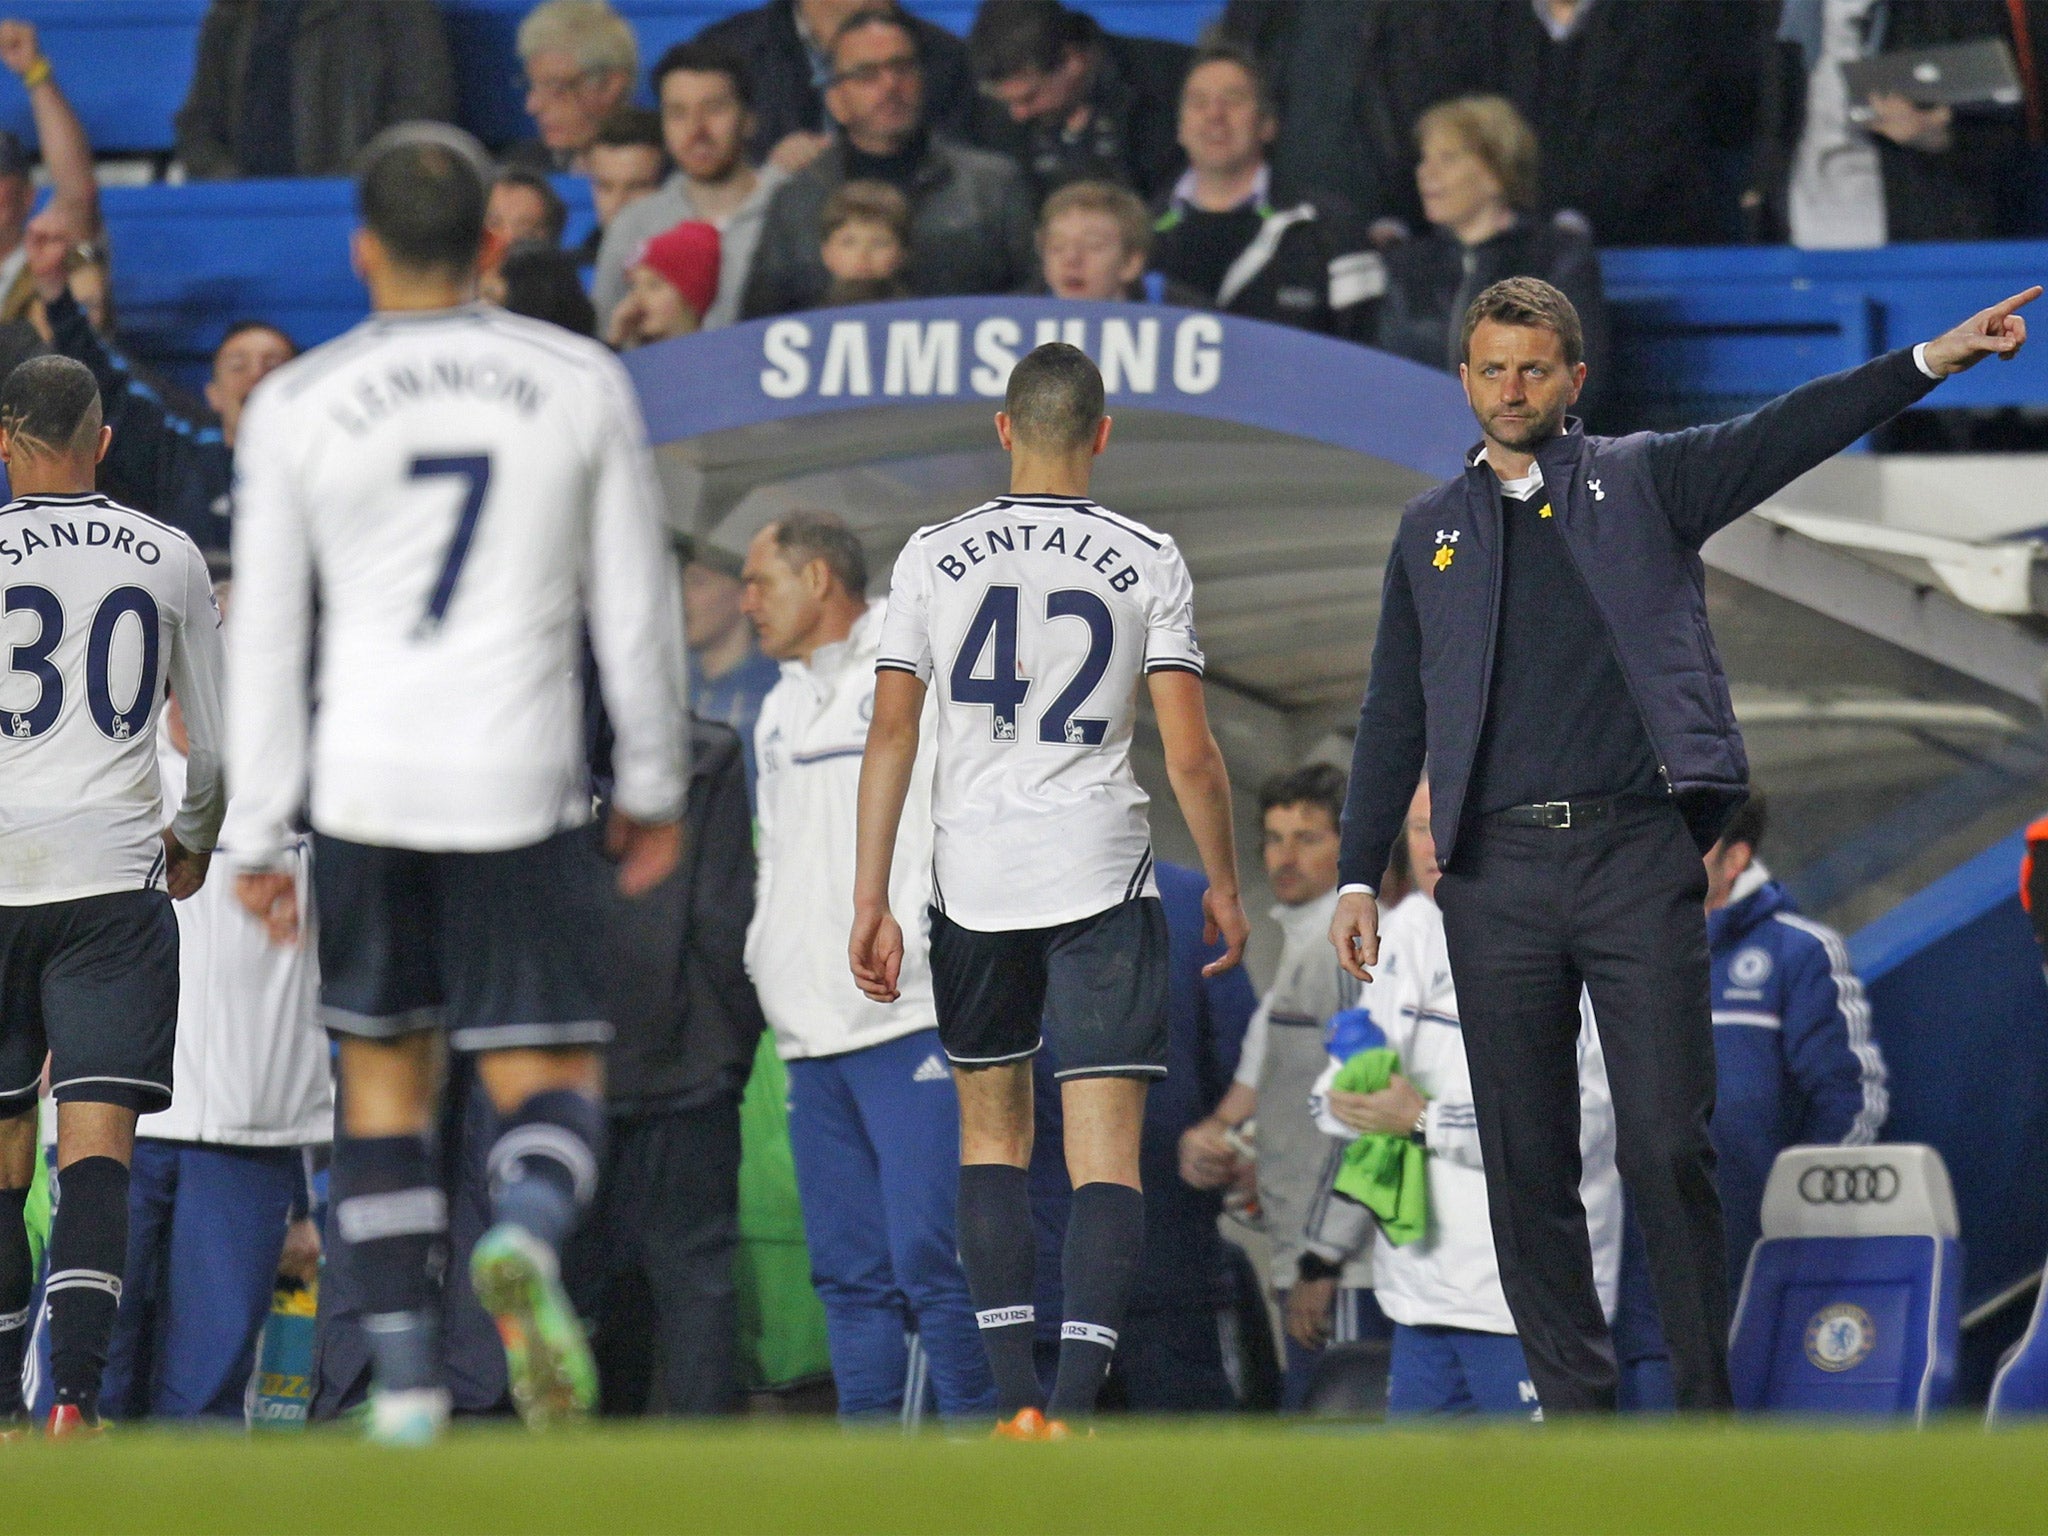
(101,607)
(1036,619)
(453,493)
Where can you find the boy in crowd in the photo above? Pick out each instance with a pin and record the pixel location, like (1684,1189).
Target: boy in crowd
(1093,238)
(668,287)
(866,225)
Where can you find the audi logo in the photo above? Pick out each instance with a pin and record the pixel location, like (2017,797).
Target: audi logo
(1864,1184)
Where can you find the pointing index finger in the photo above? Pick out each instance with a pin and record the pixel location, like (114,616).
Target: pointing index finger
(2000,311)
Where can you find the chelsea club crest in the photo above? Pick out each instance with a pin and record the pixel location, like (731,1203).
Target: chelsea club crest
(1840,1337)
(1751,967)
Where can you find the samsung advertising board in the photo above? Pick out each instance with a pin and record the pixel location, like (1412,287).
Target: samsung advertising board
(959,351)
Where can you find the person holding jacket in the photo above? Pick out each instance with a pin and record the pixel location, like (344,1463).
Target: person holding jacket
(161,461)
(1582,755)
(874,1123)
(1454,1349)
(221,1176)
(1477,176)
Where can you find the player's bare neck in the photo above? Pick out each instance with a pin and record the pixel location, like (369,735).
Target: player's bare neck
(397,290)
(1034,474)
(50,474)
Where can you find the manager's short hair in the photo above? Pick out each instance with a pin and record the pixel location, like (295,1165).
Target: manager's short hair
(1527,301)
(1747,825)
(1055,400)
(1311,784)
(50,405)
(422,190)
(801,537)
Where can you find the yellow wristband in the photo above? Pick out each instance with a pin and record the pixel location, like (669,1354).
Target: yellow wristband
(38,73)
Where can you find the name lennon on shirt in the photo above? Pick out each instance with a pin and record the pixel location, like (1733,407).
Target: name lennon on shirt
(372,398)
(1018,539)
(98,535)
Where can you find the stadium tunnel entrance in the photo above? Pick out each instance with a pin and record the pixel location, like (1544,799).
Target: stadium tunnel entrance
(1898,731)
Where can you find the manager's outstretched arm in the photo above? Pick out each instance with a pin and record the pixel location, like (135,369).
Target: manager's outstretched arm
(875,950)
(1708,476)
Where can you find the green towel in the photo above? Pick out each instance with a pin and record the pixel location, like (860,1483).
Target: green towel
(1384,1173)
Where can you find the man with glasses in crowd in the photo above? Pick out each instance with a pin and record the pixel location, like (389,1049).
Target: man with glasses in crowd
(970,214)
(579,58)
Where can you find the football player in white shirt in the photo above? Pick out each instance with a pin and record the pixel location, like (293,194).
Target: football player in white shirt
(100,607)
(1038,617)
(458,491)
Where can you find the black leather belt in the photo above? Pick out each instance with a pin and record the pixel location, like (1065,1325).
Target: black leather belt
(1557,815)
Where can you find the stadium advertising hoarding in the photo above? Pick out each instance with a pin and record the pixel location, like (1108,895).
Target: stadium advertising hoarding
(954,351)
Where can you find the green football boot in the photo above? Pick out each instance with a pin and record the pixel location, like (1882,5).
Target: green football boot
(518,1280)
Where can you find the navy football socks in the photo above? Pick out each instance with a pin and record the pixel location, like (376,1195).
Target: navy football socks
(388,1208)
(998,1250)
(88,1251)
(544,1165)
(1105,1235)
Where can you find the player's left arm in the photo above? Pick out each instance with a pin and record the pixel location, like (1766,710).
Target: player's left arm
(636,633)
(196,669)
(875,949)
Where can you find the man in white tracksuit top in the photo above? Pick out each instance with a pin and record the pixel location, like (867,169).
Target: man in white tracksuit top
(873,1118)
(218,1175)
(1455,1349)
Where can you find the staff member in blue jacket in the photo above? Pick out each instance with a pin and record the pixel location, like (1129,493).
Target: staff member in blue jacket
(1795,1061)
(1543,641)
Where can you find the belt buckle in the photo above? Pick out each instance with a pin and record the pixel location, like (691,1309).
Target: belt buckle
(1557,815)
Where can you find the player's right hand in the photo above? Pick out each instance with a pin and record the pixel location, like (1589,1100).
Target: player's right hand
(1355,931)
(876,953)
(272,898)
(184,869)
(647,851)
(1223,920)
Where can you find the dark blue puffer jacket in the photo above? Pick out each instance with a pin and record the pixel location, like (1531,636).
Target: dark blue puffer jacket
(1794,1059)
(1635,511)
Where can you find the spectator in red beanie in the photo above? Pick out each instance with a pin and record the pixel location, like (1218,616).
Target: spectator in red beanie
(669,286)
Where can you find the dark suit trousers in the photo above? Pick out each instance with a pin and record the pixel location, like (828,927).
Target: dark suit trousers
(1530,914)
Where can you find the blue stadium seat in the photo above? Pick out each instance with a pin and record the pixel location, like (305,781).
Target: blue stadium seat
(1852,1300)
(2020,1389)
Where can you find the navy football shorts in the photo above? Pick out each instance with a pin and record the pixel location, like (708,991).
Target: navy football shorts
(499,949)
(94,984)
(1098,985)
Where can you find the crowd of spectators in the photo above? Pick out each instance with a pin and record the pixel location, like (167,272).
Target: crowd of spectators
(1354,167)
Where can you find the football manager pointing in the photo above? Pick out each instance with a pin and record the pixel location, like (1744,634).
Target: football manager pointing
(1543,646)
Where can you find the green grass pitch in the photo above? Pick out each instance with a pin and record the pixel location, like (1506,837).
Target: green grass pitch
(1639,1479)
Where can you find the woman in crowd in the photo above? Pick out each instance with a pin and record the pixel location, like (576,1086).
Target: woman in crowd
(1478,178)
